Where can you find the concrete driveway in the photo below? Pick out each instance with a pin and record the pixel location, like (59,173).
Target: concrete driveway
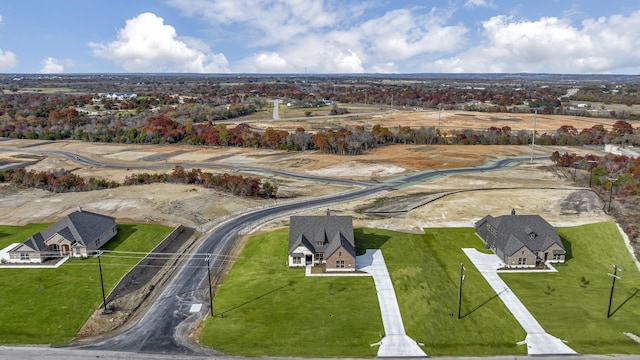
(395,343)
(537,340)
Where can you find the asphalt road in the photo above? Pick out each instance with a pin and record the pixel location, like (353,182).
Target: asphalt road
(163,329)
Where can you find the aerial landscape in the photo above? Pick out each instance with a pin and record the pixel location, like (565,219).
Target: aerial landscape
(186,179)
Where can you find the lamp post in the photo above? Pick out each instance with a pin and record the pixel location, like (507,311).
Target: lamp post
(613,286)
(610,194)
(460,289)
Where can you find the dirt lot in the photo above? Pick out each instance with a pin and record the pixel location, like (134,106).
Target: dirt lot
(198,207)
(445,120)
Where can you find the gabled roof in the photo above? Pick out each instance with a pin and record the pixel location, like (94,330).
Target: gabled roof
(516,231)
(321,234)
(79,227)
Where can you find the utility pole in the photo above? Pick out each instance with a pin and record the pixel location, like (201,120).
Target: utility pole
(591,166)
(613,285)
(610,194)
(104,298)
(460,289)
(210,291)
(533,138)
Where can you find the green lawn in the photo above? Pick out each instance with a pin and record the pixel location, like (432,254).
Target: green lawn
(572,304)
(425,270)
(48,306)
(271,310)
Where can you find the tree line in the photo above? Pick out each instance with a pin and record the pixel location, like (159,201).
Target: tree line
(62,181)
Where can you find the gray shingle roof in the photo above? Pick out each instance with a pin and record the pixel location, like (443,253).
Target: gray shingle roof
(79,227)
(516,231)
(321,234)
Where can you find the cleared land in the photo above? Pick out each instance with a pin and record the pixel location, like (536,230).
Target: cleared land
(48,306)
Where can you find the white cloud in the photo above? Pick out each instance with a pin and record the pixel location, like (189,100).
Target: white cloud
(265,62)
(8,60)
(147,44)
(327,36)
(272,21)
(550,44)
(51,65)
(478,3)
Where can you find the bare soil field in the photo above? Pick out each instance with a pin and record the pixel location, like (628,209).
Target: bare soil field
(445,120)
(200,208)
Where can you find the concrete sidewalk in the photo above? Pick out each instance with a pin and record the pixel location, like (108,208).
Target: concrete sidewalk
(395,343)
(537,340)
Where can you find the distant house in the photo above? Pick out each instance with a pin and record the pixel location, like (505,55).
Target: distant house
(521,240)
(318,240)
(78,234)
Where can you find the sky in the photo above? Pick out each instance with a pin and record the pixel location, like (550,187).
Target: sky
(320,36)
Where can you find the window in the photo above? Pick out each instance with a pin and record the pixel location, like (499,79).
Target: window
(319,257)
(319,243)
(77,251)
(24,256)
(297,260)
(557,256)
(340,253)
(340,264)
(522,261)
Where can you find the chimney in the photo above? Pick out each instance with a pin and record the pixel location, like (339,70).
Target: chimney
(513,211)
(79,208)
(328,212)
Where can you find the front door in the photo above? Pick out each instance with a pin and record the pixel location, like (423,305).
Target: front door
(308,260)
(546,256)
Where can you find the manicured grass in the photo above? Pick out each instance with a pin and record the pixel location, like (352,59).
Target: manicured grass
(425,270)
(572,304)
(271,310)
(48,306)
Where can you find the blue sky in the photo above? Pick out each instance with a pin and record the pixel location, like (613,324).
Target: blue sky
(320,36)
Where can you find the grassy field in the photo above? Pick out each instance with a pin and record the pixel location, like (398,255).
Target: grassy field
(426,279)
(272,310)
(48,306)
(572,304)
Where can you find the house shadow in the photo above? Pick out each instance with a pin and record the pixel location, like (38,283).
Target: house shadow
(482,304)
(226,312)
(366,241)
(567,248)
(633,294)
(124,231)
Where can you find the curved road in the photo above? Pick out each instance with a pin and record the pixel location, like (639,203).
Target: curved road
(164,327)
(167,322)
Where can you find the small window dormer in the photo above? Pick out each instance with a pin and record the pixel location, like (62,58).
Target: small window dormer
(532,235)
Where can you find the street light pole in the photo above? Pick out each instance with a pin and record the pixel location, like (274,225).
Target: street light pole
(613,285)
(210,291)
(460,289)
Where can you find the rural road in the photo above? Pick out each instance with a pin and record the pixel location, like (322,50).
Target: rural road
(166,324)
(164,328)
